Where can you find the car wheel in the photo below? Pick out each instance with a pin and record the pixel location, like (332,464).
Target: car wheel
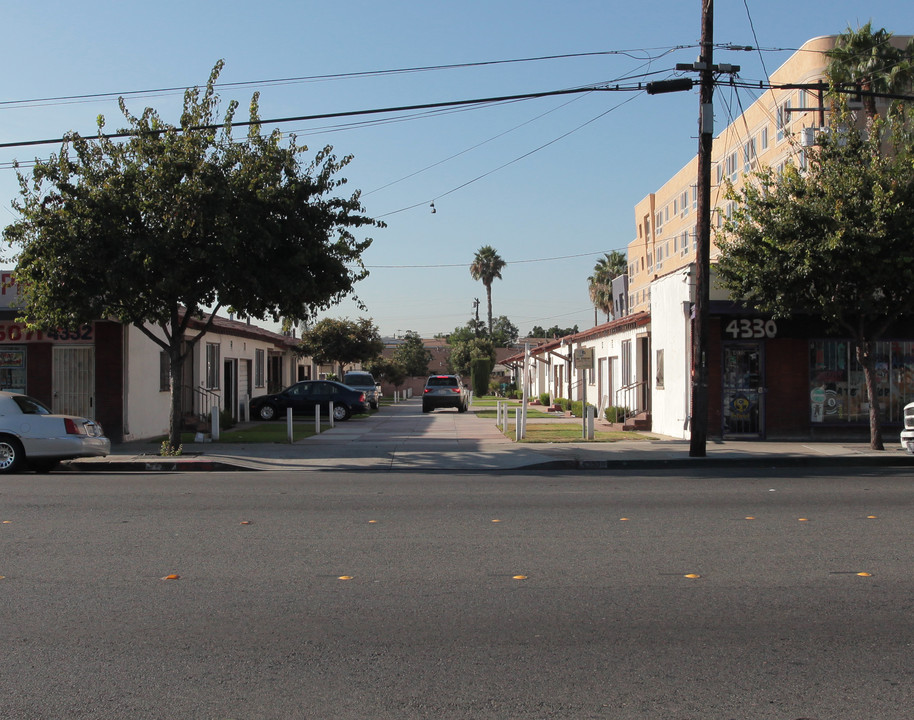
(267,412)
(374,406)
(341,412)
(11,454)
(426,408)
(462,408)
(43,466)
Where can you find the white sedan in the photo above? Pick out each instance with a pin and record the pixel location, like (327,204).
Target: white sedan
(34,437)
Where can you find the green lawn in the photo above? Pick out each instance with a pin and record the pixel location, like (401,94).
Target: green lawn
(571,432)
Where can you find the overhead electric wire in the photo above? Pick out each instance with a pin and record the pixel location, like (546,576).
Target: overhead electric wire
(89,97)
(507,262)
(323,116)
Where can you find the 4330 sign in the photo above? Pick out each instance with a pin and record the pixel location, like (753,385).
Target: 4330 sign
(750,329)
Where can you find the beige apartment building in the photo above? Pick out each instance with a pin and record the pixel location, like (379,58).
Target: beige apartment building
(769,133)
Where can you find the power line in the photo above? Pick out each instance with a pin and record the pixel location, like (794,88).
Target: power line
(88,97)
(324,116)
(507,262)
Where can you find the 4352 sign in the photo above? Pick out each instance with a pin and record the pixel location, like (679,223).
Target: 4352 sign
(18,333)
(750,329)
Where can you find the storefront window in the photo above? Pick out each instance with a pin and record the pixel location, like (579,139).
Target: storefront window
(12,369)
(837,387)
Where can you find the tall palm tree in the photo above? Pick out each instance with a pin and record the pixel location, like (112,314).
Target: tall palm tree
(608,267)
(487,266)
(867,58)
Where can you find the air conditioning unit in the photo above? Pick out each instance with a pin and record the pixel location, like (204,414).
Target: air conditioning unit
(808,136)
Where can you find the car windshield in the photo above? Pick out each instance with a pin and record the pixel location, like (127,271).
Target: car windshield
(31,406)
(442,381)
(359,379)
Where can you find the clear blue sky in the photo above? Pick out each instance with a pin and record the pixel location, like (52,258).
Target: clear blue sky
(538,180)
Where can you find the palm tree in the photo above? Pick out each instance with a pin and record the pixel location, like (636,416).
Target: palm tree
(608,267)
(487,266)
(867,58)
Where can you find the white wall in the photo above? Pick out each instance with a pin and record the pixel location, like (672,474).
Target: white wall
(145,406)
(671,298)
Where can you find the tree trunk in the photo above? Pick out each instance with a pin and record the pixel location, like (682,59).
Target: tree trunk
(489,298)
(176,367)
(865,358)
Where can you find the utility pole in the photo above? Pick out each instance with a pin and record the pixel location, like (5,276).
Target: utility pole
(701,324)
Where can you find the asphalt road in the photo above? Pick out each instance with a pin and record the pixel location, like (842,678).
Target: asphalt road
(463,596)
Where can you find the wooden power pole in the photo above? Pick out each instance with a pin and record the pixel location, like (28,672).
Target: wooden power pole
(701,324)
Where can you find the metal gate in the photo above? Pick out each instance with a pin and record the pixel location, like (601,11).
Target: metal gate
(74,381)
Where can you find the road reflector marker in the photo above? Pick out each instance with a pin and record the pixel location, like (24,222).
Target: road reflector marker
(519,577)
(173,576)
(245,522)
(872,517)
(693,576)
(496,520)
(623,519)
(345,577)
(750,517)
(864,574)
(372,522)
(804,519)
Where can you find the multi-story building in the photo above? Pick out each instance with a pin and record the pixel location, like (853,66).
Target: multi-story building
(767,377)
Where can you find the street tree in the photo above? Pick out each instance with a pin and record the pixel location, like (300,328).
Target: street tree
(158,224)
(388,370)
(504,332)
(599,285)
(554,332)
(487,266)
(465,352)
(342,341)
(867,58)
(413,355)
(834,241)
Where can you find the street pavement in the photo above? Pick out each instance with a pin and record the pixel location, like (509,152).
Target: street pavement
(401,438)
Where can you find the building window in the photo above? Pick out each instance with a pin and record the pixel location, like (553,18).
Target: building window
(658,365)
(837,388)
(783,119)
(164,372)
(764,138)
(259,364)
(212,366)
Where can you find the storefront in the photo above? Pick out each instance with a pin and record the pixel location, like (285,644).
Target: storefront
(792,378)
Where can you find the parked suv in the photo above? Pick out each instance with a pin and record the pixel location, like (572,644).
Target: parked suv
(364,381)
(442,391)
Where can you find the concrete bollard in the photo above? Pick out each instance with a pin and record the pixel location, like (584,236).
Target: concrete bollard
(289,424)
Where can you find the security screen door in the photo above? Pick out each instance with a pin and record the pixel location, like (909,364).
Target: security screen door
(743,390)
(74,381)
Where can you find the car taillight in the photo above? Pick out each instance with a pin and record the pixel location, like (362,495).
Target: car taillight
(73,428)
(428,390)
(456,390)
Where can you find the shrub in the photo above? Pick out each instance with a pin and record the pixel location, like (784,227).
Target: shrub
(563,403)
(616,413)
(544,398)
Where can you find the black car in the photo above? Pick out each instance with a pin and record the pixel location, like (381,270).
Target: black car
(444,391)
(303,397)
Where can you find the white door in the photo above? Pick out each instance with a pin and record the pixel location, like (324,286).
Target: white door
(74,381)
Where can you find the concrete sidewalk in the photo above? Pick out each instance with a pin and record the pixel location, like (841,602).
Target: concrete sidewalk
(401,439)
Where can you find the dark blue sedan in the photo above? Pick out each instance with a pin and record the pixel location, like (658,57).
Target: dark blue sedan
(303,397)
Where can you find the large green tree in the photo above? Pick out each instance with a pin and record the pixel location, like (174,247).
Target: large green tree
(463,353)
(834,241)
(486,267)
(171,222)
(412,355)
(599,285)
(868,59)
(342,341)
